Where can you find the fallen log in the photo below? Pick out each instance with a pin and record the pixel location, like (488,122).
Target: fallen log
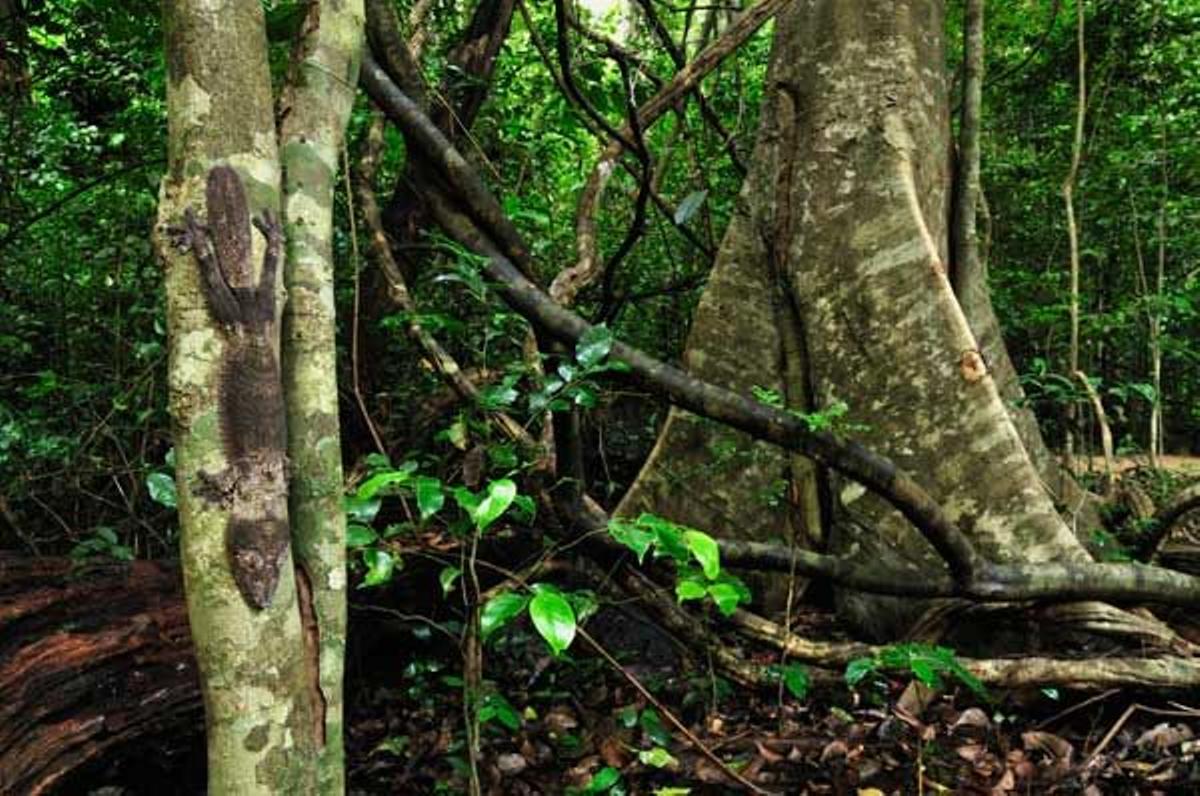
(95,661)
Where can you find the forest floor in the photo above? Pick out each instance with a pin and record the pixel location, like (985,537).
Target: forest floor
(1188,466)
(576,726)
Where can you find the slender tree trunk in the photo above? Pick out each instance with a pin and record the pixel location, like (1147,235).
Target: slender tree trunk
(1068,193)
(226,401)
(969,273)
(316,107)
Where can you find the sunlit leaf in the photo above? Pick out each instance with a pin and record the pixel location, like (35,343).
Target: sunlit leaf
(705,550)
(593,346)
(500,495)
(161,487)
(499,611)
(380,566)
(448,577)
(726,596)
(657,757)
(359,535)
(554,619)
(430,497)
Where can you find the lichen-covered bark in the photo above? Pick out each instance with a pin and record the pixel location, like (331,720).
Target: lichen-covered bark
(970,284)
(251,667)
(850,196)
(316,108)
(885,334)
(744,335)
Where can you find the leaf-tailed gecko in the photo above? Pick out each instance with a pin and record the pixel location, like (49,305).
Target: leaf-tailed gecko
(253,487)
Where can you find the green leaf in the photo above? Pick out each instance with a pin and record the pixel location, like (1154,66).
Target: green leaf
(796,680)
(689,589)
(554,619)
(657,757)
(496,706)
(500,495)
(456,433)
(524,508)
(447,577)
(161,487)
(380,566)
(593,346)
(653,727)
(393,745)
(467,500)
(704,548)
(668,537)
(358,535)
(629,534)
(359,509)
(688,207)
(628,716)
(499,611)
(372,486)
(924,671)
(726,596)
(602,780)
(858,669)
(430,497)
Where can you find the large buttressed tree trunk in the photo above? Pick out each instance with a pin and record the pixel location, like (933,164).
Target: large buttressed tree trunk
(844,221)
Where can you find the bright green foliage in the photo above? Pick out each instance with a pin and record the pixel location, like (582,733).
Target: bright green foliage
(927,663)
(606,780)
(555,614)
(686,547)
(102,542)
(553,617)
(1136,198)
(499,611)
(494,707)
(657,757)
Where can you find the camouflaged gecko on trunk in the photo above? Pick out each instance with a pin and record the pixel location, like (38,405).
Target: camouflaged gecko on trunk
(253,487)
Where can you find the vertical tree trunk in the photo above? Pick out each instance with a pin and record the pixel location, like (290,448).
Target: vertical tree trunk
(1068,194)
(866,93)
(247,630)
(316,108)
(969,273)
(848,202)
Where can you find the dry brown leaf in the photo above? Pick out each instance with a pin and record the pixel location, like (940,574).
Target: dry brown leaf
(916,698)
(1057,747)
(972,752)
(835,748)
(1164,736)
(972,718)
(767,754)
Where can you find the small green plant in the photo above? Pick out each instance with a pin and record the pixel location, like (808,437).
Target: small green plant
(696,555)
(606,780)
(794,677)
(1109,548)
(833,418)
(573,382)
(928,663)
(477,512)
(102,542)
(555,614)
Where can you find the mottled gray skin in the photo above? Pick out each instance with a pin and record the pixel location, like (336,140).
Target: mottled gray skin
(253,431)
